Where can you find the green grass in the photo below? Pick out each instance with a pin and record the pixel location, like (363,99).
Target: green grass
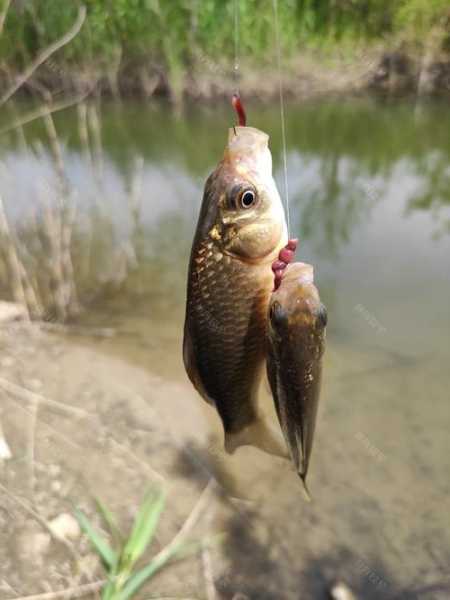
(175,34)
(122,559)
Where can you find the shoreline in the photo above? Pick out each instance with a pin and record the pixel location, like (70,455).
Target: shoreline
(103,427)
(375,70)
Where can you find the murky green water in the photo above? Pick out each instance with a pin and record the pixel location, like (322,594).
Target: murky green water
(369,185)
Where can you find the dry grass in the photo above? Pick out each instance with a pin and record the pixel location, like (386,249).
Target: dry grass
(48,264)
(23,495)
(37,269)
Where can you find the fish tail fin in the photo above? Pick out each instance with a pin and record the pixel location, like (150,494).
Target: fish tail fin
(258,434)
(305,489)
(300,458)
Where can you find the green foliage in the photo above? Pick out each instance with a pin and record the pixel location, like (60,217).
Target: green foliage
(421,15)
(101,546)
(175,33)
(125,577)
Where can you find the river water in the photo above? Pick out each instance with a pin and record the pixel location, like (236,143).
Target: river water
(369,186)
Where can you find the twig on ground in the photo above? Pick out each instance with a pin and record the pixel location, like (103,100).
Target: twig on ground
(80,571)
(207,565)
(31,445)
(30,396)
(45,54)
(5,451)
(103,332)
(195,460)
(208,574)
(40,520)
(6,585)
(54,431)
(136,458)
(199,509)
(73,592)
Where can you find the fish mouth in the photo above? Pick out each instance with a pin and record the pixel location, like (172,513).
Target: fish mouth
(248,148)
(242,137)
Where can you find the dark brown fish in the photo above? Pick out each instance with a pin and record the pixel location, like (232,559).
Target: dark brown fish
(297,321)
(240,231)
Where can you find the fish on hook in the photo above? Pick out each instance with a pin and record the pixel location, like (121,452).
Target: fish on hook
(296,344)
(240,231)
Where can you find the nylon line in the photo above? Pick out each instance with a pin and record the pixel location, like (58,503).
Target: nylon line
(282,114)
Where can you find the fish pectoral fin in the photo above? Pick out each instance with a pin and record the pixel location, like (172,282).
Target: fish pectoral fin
(260,435)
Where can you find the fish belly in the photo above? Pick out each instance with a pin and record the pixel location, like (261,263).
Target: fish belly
(225,329)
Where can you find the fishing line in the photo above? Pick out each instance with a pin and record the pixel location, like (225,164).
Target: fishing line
(236,100)
(282,117)
(236,46)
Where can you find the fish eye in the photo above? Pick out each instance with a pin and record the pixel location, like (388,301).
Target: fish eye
(247,199)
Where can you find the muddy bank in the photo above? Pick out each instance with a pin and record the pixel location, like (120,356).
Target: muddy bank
(378,70)
(77,431)
(90,425)
(81,425)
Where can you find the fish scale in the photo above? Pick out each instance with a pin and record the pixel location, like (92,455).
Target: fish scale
(216,307)
(229,285)
(296,343)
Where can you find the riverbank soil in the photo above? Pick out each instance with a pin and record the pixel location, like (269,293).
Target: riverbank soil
(91,425)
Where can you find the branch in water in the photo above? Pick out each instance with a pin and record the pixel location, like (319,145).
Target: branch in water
(45,54)
(42,111)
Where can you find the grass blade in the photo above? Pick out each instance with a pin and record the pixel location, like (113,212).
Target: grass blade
(140,577)
(109,519)
(110,591)
(181,550)
(143,529)
(102,547)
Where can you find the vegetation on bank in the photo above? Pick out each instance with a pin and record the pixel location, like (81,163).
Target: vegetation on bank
(176,38)
(122,559)
(167,31)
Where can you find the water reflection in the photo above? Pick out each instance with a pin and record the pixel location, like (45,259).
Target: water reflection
(330,198)
(433,194)
(369,188)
